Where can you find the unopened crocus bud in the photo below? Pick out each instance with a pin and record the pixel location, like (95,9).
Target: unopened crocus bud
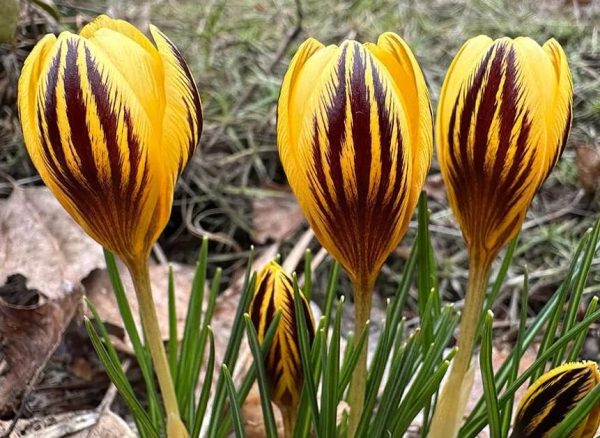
(354,133)
(110,120)
(502,123)
(275,292)
(552,396)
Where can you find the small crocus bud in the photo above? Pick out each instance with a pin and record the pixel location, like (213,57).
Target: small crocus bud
(110,120)
(552,396)
(502,123)
(275,292)
(354,133)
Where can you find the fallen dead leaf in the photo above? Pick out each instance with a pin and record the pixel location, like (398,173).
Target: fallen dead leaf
(99,291)
(276,217)
(79,424)
(44,255)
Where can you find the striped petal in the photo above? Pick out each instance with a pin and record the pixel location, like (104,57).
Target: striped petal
(274,292)
(499,134)
(346,144)
(182,120)
(552,396)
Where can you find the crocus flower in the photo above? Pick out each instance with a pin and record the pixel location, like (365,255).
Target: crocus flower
(110,120)
(503,120)
(502,123)
(551,397)
(354,133)
(275,292)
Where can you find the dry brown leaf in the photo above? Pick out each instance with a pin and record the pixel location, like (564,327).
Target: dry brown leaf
(99,290)
(275,217)
(44,255)
(588,167)
(80,424)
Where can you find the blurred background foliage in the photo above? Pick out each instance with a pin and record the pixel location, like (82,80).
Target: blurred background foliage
(234,189)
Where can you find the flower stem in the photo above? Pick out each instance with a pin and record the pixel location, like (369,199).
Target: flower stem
(453,400)
(141,282)
(363,291)
(289,421)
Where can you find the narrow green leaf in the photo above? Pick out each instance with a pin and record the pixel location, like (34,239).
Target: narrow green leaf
(232,350)
(261,377)
(173,343)
(487,374)
(307,274)
(331,368)
(206,386)
(507,407)
(307,370)
(141,354)
(119,379)
(236,410)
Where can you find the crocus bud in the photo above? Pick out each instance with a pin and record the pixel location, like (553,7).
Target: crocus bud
(552,396)
(502,123)
(354,133)
(110,120)
(274,292)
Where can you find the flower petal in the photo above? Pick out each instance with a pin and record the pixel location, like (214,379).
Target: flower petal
(134,56)
(182,123)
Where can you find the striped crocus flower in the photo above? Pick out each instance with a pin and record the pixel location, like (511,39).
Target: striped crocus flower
(502,123)
(552,397)
(354,133)
(275,292)
(110,120)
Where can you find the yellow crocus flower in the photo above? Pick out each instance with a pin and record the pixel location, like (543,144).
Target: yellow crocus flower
(503,120)
(275,292)
(110,120)
(552,396)
(354,133)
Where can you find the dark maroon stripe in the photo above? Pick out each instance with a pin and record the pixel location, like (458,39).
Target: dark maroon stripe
(486,112)
(511,94)
(361,136)
(108,121)
(335,210)
(386,214)
(76,115)
(257,303)
(58,165)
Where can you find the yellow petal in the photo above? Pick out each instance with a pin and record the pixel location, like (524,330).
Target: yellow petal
(134,56)
(275,292)
(552,396)
(559,111)
(411,88)
(182,122)
(35,68)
